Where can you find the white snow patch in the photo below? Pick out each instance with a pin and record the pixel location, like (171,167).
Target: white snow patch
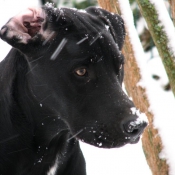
(141,116)
(141,24)
(100,144)
(162,106)
(82,11)
(49,5)
(53,169)
(120,161)
(107,27)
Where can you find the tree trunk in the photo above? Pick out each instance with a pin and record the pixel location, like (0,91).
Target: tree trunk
(172,6)
(160,38)
(151,141)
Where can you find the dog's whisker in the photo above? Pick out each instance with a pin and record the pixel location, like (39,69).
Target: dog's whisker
(79,42)
(100,59)
(95,38)
(32,69)
(75,135)
(61,13)
(36,59)
(45,98)
(41,85)
(10,138)
(53,117)
(112,144)
(18,151)
(48,38)
(59,48)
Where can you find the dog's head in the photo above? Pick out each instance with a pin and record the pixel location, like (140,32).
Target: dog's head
(76,57)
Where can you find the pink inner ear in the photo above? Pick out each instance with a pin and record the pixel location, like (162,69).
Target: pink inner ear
(31,19)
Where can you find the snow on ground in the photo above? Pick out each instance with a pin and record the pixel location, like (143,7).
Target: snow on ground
(162,104)
(128,160)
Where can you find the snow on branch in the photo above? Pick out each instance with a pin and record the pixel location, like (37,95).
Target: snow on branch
(163,33)
(165,23)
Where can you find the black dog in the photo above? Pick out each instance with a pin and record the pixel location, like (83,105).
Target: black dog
(61,83)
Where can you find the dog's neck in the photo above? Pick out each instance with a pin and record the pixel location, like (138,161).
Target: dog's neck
(33,114)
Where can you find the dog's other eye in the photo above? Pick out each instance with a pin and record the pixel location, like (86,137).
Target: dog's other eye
(81,71)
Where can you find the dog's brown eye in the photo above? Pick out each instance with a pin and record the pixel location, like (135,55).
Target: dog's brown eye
(81,71)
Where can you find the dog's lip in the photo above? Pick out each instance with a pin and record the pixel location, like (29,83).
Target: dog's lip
(135,140)
(107,144)
(102,142)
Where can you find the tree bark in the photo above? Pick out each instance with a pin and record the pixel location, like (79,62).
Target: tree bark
(160,38)
(151,141)
(172,6)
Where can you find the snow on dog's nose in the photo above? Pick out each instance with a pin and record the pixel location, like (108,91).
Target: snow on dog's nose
(134,127)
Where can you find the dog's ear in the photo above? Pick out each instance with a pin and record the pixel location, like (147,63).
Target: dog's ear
(113,21)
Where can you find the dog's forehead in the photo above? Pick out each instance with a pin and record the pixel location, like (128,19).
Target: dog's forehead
(85,25)
(83,31)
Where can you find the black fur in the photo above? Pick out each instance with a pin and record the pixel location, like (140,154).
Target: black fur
(46,107)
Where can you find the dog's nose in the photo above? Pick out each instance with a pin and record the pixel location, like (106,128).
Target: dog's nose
(134,128)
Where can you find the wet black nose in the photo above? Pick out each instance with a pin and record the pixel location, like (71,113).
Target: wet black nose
(134,128)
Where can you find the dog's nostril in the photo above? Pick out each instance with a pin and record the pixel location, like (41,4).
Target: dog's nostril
(134,127)
(131,127)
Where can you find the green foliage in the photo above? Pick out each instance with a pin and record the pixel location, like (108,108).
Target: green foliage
(73,3)
(145,37)
(160,38)
(136,14)
(84,4)
(136,11)
(131,1)
(44,1)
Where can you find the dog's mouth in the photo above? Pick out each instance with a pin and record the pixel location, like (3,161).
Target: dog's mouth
(103,138)
(113,135)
